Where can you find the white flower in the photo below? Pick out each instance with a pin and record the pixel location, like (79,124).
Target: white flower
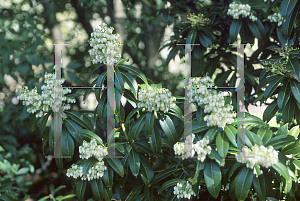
(155,99)
(183,190)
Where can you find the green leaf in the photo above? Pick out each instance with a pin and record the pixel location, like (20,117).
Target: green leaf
(295,86)
(272,87)
(108,177)
(264,134)
(191,37)
(117,102)
(250,135)
(162,175)
(235,28)
(72,127)
(169,129)
(134,192)
(90,135)
(267,80)
(296,162)
(34,124)
(136,129)
(281,169)
(149,123)
(288,111)
(231,132)
(287,6)
(259,184)
(245,138)
(96,188)
(280,141)
(270,111)
(283,95)
(146,171)
(212,177)
(99,83)
(131,82)
(222,143)
(119,83)
(130,98)
(134,162)
(257,29)
(204,39)
(87,164)
(67,144)
(251,120)
(243,183)
(211,133)
(288,24)
(135,71)
(293,148)
(130,115)
(197,128)
(294,66)
(101,107)
(294,131)
(170,183)
(283,130)
(80,189)
(155,141)
(73,65)
(44,121)
(77,119)
(116,165)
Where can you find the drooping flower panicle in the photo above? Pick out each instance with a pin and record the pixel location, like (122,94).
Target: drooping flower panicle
(276,17)
(261,155)
(103,41)
(183,190)
(188,149)
(86,151)
(51,98)
(236,10)
(214,103)
(155,99)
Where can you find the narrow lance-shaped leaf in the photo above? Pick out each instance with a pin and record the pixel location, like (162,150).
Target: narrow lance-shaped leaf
(222,143)
(134,162)
(212,177)
(243,183)
(80,189)
(257,29)
(283,95)
(231,132)
(287,6)
(67,145)
(270,111)
(235,28)
(259,184)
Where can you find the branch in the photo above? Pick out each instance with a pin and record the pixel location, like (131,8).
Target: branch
(82,17)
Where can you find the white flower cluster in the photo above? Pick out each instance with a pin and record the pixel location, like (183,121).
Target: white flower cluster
(187,149)
(156,99)
(50,97)
(95,172)
(92,149)
(235,10)
(184,191)
(276,17)
(213,102)
(99,41)
(262,156)
(86,151)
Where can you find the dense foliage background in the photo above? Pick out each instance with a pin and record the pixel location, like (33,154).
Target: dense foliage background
(272,74)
